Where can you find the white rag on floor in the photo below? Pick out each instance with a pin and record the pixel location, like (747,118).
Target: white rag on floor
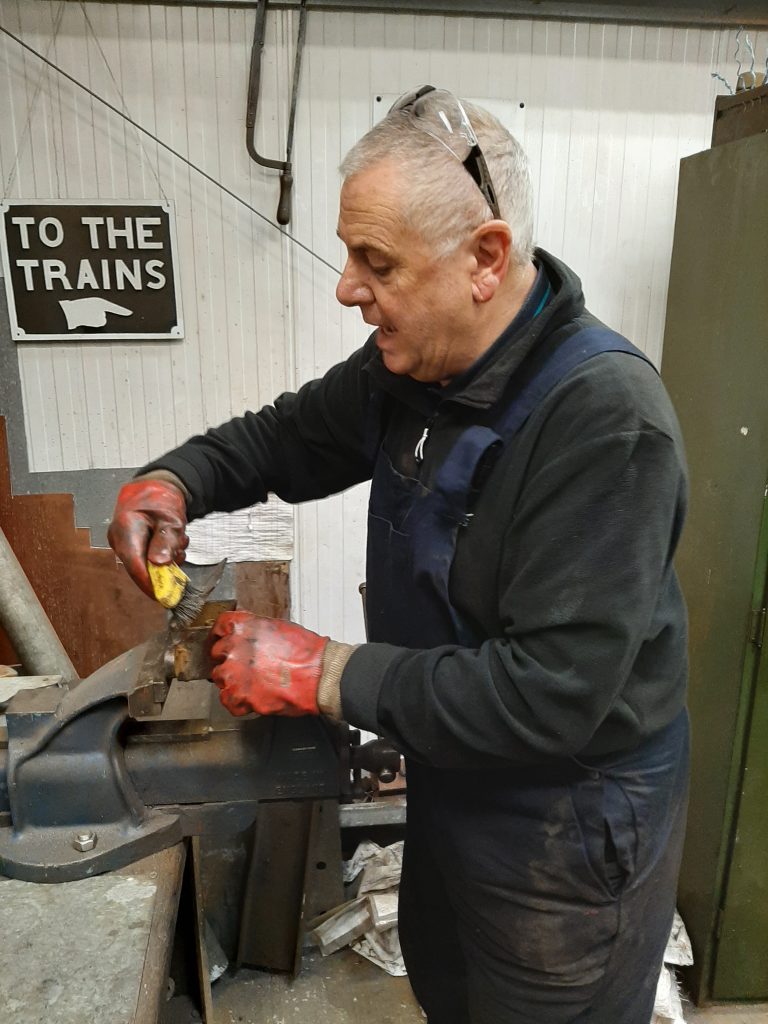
(368,923)
(668,1008)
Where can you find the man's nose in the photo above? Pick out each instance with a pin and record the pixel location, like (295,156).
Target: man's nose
(351,289)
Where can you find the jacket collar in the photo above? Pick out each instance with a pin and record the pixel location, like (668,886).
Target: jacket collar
(485,381)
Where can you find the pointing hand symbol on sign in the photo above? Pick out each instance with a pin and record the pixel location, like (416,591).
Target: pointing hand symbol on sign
(90,312)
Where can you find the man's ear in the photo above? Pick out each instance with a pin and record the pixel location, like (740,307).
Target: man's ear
(492,243)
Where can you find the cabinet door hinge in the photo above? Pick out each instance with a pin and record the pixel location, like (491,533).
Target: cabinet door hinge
(757,627)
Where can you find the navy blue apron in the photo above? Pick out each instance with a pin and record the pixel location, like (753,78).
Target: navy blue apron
(519,893)
(412,531)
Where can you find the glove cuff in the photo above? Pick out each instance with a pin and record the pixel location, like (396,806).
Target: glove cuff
(335,657)
(166,476)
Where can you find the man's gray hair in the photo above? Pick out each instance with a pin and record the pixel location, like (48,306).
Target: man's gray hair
(441,200)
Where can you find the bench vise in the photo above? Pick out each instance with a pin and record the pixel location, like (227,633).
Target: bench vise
(141,754)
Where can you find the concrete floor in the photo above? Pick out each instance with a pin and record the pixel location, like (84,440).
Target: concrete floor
(346,989)
(734,1014)
(340,989)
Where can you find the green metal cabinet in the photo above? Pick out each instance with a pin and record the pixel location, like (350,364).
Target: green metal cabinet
(715,365)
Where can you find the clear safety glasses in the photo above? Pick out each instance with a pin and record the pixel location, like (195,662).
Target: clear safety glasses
(440,114)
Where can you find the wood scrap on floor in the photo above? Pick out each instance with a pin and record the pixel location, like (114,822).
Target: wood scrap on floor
(368,922)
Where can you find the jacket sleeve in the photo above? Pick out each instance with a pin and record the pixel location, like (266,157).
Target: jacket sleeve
(585,558)
(306,445)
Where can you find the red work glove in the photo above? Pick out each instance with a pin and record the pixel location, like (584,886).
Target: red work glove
(269,666)
(148,523)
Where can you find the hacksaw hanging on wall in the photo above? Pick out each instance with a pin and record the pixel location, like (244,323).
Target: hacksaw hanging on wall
(283,215)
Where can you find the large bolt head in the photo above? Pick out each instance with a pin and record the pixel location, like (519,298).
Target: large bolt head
(84,841)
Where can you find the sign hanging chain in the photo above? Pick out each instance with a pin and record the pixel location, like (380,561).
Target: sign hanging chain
(170,149)
(33,104)
(155,170)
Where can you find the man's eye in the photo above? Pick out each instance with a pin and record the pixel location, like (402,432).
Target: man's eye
(380,270)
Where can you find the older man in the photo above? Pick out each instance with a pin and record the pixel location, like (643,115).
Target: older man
(527,647)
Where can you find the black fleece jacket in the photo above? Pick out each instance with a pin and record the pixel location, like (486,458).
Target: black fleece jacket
(565,569)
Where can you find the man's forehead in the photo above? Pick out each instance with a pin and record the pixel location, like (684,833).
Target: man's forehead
(358,239)
(370,209)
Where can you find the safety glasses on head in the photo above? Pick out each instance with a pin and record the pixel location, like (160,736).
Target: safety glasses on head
(441,115)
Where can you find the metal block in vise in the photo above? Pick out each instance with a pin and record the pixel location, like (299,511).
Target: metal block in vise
(29,709)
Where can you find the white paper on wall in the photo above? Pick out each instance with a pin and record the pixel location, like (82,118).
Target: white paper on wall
(257,534)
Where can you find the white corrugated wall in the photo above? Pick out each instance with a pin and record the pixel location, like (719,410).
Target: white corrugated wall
(604,111)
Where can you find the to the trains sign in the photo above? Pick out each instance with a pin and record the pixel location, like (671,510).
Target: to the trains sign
(90,271)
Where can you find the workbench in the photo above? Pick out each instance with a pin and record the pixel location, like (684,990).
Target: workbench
(95,950)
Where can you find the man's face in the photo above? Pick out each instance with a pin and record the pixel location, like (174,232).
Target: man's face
(422,305)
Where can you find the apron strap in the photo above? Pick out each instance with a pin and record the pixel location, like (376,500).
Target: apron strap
(480,446)
(576,349)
